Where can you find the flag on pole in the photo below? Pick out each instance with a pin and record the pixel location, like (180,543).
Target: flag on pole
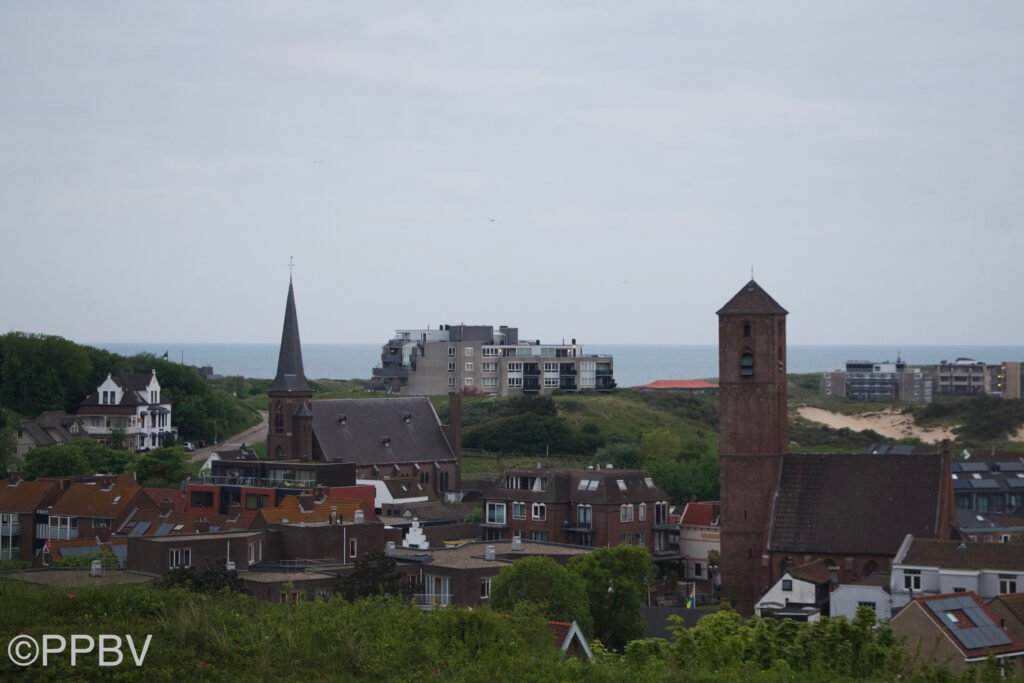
(691,599)
(165,355)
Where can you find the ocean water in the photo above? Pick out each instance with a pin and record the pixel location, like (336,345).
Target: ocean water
(634,363)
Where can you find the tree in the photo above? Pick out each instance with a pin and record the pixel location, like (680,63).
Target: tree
(213,578)
(616,584)
(374,574)
(161,467)
(559,593)
(622,454)
(78,457)
(659,445)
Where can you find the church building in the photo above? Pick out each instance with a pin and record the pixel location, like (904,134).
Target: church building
(781,509)
(384,438)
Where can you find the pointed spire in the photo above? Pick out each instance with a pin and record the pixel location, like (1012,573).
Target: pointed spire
(752,300)
(290,375)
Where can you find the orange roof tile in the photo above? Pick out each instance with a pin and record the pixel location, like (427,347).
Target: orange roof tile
(290,512)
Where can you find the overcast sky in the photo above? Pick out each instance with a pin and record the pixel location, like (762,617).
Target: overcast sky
(604,170)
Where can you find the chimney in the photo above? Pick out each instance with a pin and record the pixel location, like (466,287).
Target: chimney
(106,482)
(166,506)
(333,517)
(202,525)
(490,553)
(359,517)
(517,544)
(389,549)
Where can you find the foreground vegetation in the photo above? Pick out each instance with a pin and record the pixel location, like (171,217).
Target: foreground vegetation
(228,636)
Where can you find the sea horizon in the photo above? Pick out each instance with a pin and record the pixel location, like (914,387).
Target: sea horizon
(634,364)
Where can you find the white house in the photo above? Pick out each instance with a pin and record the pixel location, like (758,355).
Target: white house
(699,539)
(801,594)
(869,591)
(930,567)
(132,403)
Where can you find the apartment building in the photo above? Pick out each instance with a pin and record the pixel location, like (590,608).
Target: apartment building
(865,380)
(479,358)
(592,507)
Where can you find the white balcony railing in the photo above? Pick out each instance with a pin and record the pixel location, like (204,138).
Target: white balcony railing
(429,601)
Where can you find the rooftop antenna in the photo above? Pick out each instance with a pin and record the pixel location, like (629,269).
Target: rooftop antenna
(291,265)
(751,271)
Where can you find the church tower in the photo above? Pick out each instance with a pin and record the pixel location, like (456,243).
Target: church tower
(753,436)
(290,432)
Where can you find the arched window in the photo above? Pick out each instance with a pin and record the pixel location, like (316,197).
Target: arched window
(279,420)
(746,364)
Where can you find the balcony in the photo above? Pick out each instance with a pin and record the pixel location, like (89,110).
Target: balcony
(10,529)
(61,534)
(259,482)
(567,385)
(429,601)
(391,372)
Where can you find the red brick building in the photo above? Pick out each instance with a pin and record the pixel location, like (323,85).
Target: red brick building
(598,507)
(781,509)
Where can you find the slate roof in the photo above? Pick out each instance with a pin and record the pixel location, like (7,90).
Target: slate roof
(290,374)
(132,383)
(855,503)
(925,552)
(969,623)
(26,496)
(375,431)
(51,428)
(752,300)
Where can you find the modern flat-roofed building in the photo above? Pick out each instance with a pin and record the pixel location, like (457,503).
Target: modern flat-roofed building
(479,358)
(865,380)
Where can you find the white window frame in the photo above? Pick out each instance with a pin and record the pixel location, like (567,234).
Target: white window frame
(451,351)
(641,512)
(451,366)
(539,512)
(518,509)
(467,381)
(179,557)
(353,548)
(515,366)
(1007,583)
(451,381)
(626,513)
(912,579)
(469,367)
(515,381)
(491,511)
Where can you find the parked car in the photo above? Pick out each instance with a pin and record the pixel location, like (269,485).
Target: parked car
(188,446)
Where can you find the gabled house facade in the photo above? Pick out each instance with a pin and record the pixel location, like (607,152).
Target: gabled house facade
(699,540)
(592,507)
(24,516)
(930,567)
(130,407)
(49,429)
(802,594)
(95,509)
(955,630)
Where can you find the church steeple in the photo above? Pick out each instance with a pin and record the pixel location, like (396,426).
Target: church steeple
(290,375)
(290,432)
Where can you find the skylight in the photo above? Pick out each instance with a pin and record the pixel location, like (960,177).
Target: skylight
(621,483)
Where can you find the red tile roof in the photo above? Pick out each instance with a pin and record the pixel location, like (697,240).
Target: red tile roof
(91,500)
(291,512)
(814,572)
(178,498)
(26,496)
(685,384)
(700,514)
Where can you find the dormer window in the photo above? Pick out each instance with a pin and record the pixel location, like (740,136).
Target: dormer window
(746,364)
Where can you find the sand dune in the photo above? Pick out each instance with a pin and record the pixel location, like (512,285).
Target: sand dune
(890,423)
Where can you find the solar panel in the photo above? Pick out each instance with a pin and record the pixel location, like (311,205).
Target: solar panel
(973,467)
(79,550)
(140,528)
(985,484)
(961,484)
(902,450)
(164,530)
(1015,483)
(1014,466)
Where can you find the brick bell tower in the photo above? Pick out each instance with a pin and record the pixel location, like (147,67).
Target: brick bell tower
(290,432)
(753,436)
